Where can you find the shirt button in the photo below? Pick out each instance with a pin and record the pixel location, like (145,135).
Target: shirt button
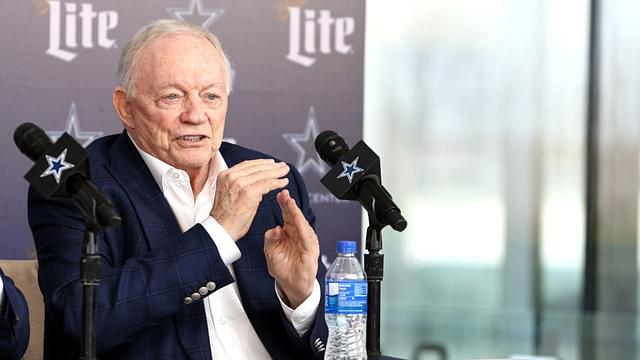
(187,300)
(211,286)
(203,291)
(223,322)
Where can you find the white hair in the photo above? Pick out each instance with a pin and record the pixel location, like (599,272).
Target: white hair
(153,31)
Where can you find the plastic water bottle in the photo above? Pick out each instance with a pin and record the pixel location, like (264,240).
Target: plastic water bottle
(346,305)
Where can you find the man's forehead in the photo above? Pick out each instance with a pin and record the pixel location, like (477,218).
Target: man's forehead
(180,42)
(182,61)
(170,53)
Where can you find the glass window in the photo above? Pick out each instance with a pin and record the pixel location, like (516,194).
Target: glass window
(477,111)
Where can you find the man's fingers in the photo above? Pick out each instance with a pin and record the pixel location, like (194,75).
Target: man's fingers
(290,210)
(251,167)
(265,186)
(249,176)
(283,198)
(292,215)
(250,163)
(267,174)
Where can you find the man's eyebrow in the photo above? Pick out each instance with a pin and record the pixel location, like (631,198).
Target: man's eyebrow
(178,87)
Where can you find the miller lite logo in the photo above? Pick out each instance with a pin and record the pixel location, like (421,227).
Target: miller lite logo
(313,32)
(83,28)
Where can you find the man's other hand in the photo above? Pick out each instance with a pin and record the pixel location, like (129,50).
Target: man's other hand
(292,252)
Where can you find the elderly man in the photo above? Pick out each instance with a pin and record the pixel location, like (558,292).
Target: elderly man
(216,256)
(14,320)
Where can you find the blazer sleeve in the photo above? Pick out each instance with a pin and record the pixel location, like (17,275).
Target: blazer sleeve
(140,285)
(307,345)
(14,322)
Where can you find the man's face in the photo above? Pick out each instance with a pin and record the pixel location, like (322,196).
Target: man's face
(180,101)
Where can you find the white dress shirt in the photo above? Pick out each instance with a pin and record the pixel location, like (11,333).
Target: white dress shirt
(231,334)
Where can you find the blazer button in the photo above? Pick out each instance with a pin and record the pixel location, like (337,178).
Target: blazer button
(203,291)
(318,345)
(211,286)
(187,300)
(195,296)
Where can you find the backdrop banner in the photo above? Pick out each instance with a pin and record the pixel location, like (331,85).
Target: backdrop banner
(298,64)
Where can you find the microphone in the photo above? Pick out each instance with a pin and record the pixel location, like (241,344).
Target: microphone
(31,140)
(61,170)
(355,175)
(54,164)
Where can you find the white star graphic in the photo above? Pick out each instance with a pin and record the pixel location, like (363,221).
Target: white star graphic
(73,128)
(56,166)
(212,15)
(304,144)
(350,169)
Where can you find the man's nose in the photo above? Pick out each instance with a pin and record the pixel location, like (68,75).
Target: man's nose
(194,110)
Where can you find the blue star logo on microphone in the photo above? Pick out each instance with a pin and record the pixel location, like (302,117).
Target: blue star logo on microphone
(350,169)
(57,165)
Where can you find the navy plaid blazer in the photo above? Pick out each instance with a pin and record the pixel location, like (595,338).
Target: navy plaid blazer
(14,321)
(149,266)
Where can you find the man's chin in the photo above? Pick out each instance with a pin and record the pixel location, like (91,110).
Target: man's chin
(197,163)
(193,160)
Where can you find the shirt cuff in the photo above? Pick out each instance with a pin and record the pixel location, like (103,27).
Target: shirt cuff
(302,317)
(227,248)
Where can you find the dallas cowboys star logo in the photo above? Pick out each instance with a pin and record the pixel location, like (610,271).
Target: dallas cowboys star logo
(56,166)
(212,15)
(303,145)
(73,128)
(350,169)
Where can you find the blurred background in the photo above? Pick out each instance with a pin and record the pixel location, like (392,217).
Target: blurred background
(508,132)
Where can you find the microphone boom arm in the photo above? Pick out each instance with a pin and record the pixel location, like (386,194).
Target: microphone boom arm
(379,204)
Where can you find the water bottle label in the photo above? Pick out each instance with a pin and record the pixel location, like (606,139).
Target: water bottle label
(346,297)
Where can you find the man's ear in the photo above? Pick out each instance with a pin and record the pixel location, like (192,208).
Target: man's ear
(122,105)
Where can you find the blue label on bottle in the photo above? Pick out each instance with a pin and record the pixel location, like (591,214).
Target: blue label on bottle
(346,297)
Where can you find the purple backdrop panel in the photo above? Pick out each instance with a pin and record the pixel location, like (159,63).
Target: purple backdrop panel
(299,70)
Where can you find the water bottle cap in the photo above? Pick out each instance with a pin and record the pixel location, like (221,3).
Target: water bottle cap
(346,246)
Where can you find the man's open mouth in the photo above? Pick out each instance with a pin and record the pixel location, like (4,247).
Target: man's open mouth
(191,138)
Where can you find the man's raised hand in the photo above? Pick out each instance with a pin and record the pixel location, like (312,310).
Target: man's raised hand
(292,252)
(240,189)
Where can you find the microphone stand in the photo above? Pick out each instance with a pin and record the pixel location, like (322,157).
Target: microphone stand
(374,267)
(98,214)
(373,260)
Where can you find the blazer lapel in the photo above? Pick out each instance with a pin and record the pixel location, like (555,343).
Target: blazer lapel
(156,217)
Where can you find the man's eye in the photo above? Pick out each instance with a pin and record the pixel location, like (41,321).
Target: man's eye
(170,99)
(211,97)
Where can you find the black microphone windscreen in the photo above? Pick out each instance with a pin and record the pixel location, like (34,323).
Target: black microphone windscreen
(330,146)
(31,140)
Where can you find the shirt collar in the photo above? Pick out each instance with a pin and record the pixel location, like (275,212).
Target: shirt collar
(159,168)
